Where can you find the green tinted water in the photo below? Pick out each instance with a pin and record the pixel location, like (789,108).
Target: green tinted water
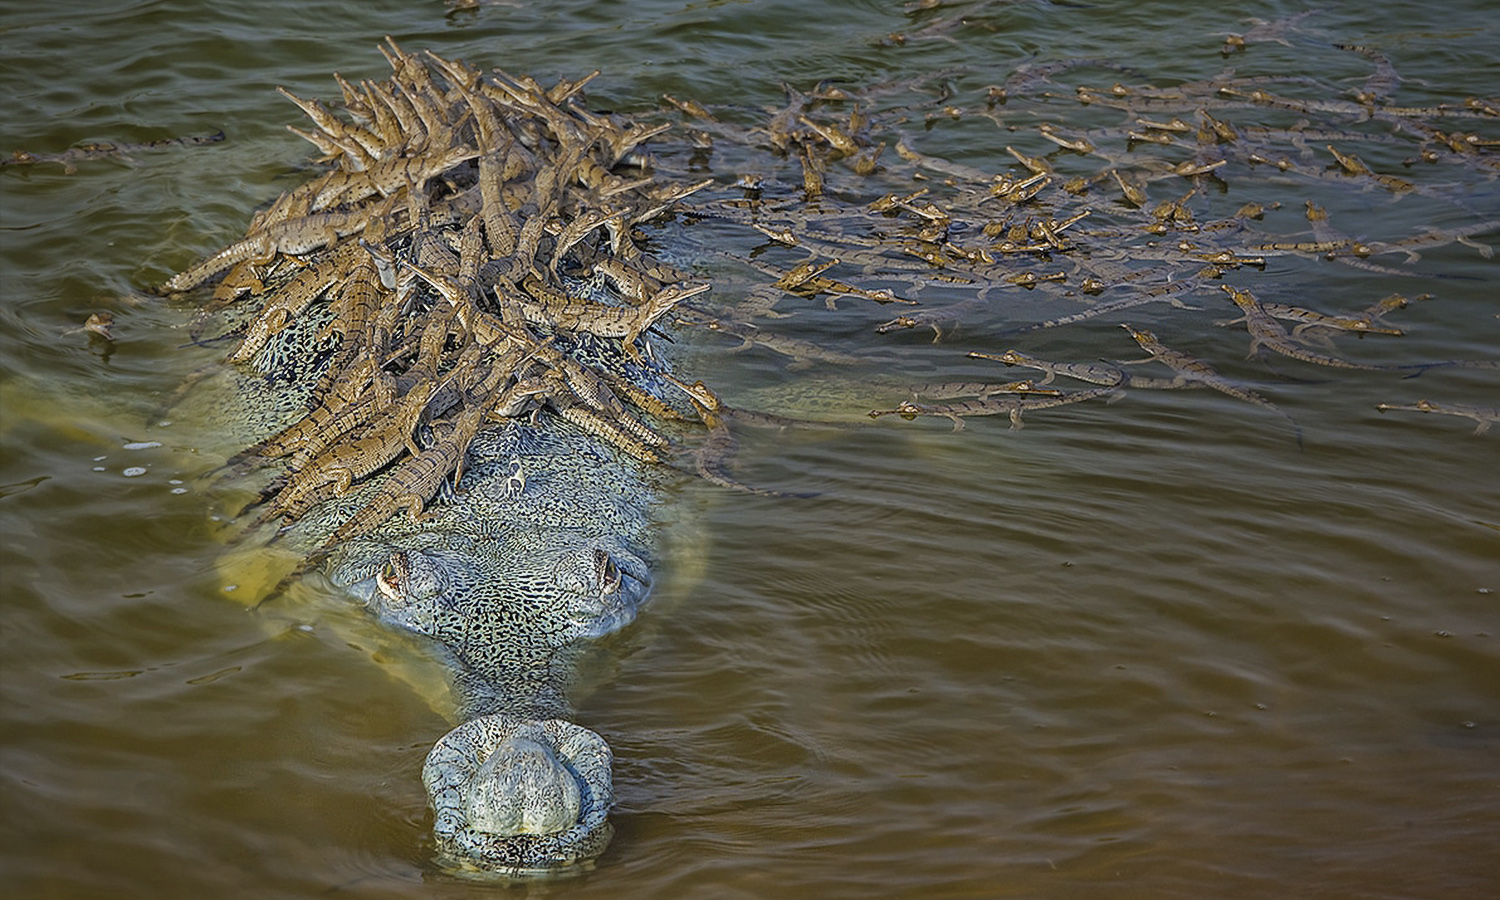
(1148,649)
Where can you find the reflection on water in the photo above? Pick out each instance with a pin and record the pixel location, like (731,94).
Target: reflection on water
(1149,647)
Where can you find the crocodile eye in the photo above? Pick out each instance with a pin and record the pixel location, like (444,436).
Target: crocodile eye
(608,573)
(389,579)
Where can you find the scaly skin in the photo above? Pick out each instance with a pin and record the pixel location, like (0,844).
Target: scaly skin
(552,567)
(417,479)
(296,296)
(387,176)
(365,145)
(627,322)
(292,236)
(1189,368)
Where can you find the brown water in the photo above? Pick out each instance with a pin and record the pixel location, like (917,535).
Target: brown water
(1148,649)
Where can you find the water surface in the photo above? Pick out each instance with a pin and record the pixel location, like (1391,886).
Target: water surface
(1146,649)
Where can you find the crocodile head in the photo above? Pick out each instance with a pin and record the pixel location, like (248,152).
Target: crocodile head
(541,549)
(513,795)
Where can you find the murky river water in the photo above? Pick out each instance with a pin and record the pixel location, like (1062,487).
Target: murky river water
(1148,649)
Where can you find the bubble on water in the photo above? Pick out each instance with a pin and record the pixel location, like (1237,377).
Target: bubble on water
(179,490)
(142,445)
(98,468)
(134,471)
(174,481)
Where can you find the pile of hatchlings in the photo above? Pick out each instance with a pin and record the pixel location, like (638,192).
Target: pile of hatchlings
(444,252)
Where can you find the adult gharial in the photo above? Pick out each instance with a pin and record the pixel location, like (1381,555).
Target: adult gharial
(445,345)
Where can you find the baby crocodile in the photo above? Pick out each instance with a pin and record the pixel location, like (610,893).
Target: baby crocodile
(1483,415)
(1266,331)
(1190,369)
(1025,396)
(1093,373)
